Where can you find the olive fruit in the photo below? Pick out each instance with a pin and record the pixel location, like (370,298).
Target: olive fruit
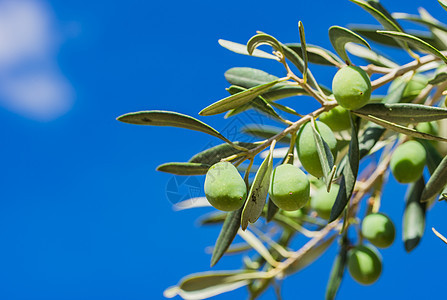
(428,127)
(224,187)
(289,187)
(322,201)
(337,118)
(379,230)
(307,148)
(364,264)
(407,162)
(413,88)
(351,87)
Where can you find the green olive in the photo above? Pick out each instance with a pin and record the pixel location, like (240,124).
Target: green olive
(413,88)
(322,201)
(408,161)
(224,187)
(289,187)
(364,264)
(379,230)
(307,148)
(351,87)
(337,118)
(428,127)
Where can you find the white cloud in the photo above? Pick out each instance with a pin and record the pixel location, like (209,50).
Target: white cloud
(31,83)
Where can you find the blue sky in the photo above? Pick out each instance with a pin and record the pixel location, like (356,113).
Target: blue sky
(84,214)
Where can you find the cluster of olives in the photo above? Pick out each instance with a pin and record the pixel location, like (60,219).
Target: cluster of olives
(365,261)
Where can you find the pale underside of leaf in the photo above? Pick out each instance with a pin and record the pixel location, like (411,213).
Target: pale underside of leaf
(340,36)
(242,49)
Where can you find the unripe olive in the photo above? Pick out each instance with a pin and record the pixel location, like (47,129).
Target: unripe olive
(351,87)
(408,161)
(364,264)
(428,127)
(379,230)
(413,88)
(224,187)
(337,118)
(289,187)
(322,201)
(307,148)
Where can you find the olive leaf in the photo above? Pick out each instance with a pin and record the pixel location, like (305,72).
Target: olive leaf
(325,156)
(280,92)
(184,168)
(419,20)
(263,39)
(264,132)
(258,192)
(336,275)
(257,245)
(303,49)
(370,33)
(415,41)
(439,78)
(340,36)
(208,284)
(213,218)
(238,99)
(286,109)
(310,256)
(396,93)
(272,209)
(401,129)
(215,154)
(443,3)
(438,29)
(259,103)
(316,54)
(349,174)
(403,112)
(370,56)
(169,118)
(226,235)
(414,215)
(242,49)
(191,203)
(433,157)
(248,77)
(437,181)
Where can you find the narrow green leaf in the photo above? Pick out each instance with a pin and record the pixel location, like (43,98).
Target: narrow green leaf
(349,175)
(226,235)
(303,49)
(215,154)
(437,181)
(403,112)
(184,168)
(401,129)
(259,103)
(433,156)
(281,92)
(236,100)
(336,275)
(443,3)
(415,41)
(325,156)
(370,56)
(191,203)
(316,54)
(414,215)
(396,93)
(340,36)
(169,118)
(208,284)
(285,109)
(419,20)
(258,192)
(248,77)
(242,49)
(257,245)
(263,39)
(213,218)
(439,78)
(310,256)
(272,209)
(264,132)
(438,29)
